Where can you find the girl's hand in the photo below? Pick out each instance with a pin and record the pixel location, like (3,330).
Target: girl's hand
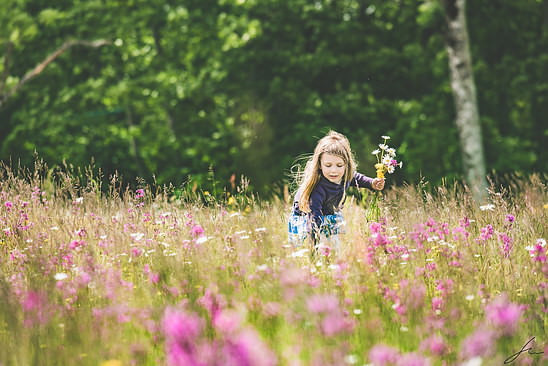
(378,184)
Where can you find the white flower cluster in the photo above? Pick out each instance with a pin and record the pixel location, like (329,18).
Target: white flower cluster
(387,156)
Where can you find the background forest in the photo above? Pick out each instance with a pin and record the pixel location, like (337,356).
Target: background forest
(209,89)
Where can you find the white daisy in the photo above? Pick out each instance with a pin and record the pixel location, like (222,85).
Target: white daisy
(201,239)
(60,276)
(375,152)
(489,207)
(476,361)
(386,137)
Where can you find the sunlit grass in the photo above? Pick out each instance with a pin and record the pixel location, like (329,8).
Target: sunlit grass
(149,277)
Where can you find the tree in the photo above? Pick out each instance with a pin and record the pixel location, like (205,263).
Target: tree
(464,94)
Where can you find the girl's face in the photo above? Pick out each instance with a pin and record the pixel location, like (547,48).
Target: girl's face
(332,167)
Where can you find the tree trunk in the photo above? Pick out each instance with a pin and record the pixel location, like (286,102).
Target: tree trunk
(464,94)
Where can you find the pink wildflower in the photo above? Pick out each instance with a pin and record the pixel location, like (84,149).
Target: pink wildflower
(382,355)
(413,359)
(247,348)
(507,244)
(460,233)
(136,252)
(322,303)
(335,323)
(486,234)
(465,222)
(76,244)
(181,331)
(197,231)
(152,276)
(504,314)
(271,309)
(435,345)
(293,277)
(430,267)
(538,253)
(213,302)
(140,193)
(444,286)
(32,301)
(375,227)
(381,240)
(228,321)
(480,343)
(437,303)
(416,296)
(36,308)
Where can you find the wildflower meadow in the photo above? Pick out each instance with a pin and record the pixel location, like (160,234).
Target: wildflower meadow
(93,275)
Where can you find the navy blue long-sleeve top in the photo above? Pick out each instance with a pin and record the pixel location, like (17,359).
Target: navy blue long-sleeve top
(326,195)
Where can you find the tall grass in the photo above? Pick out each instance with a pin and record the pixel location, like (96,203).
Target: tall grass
(150,277)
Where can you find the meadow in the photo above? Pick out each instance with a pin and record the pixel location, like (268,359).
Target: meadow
(95,276)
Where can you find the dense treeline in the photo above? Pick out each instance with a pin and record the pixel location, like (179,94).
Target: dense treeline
(212,88)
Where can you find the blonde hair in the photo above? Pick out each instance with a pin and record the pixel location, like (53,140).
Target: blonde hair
(333,143)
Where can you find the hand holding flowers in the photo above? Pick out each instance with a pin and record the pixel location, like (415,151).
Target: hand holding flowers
(386,163)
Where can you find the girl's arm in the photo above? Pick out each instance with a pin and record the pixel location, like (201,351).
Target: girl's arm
(364,181)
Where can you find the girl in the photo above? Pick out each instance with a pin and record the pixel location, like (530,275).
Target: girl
(316,212)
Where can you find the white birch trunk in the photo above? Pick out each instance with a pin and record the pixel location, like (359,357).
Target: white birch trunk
(464,94)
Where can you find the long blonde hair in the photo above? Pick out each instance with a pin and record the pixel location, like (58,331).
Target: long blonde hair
(333,143)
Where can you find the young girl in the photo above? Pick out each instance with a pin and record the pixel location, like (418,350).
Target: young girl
(316,213)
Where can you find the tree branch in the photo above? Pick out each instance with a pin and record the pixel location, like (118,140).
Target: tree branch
(7,58)
(42,65)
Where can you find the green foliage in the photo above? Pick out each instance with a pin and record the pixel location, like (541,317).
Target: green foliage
(247,86)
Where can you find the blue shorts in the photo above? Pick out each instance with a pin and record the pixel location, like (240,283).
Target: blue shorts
(300,227)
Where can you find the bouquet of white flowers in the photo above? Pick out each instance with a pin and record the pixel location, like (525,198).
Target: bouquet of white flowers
(386,163)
